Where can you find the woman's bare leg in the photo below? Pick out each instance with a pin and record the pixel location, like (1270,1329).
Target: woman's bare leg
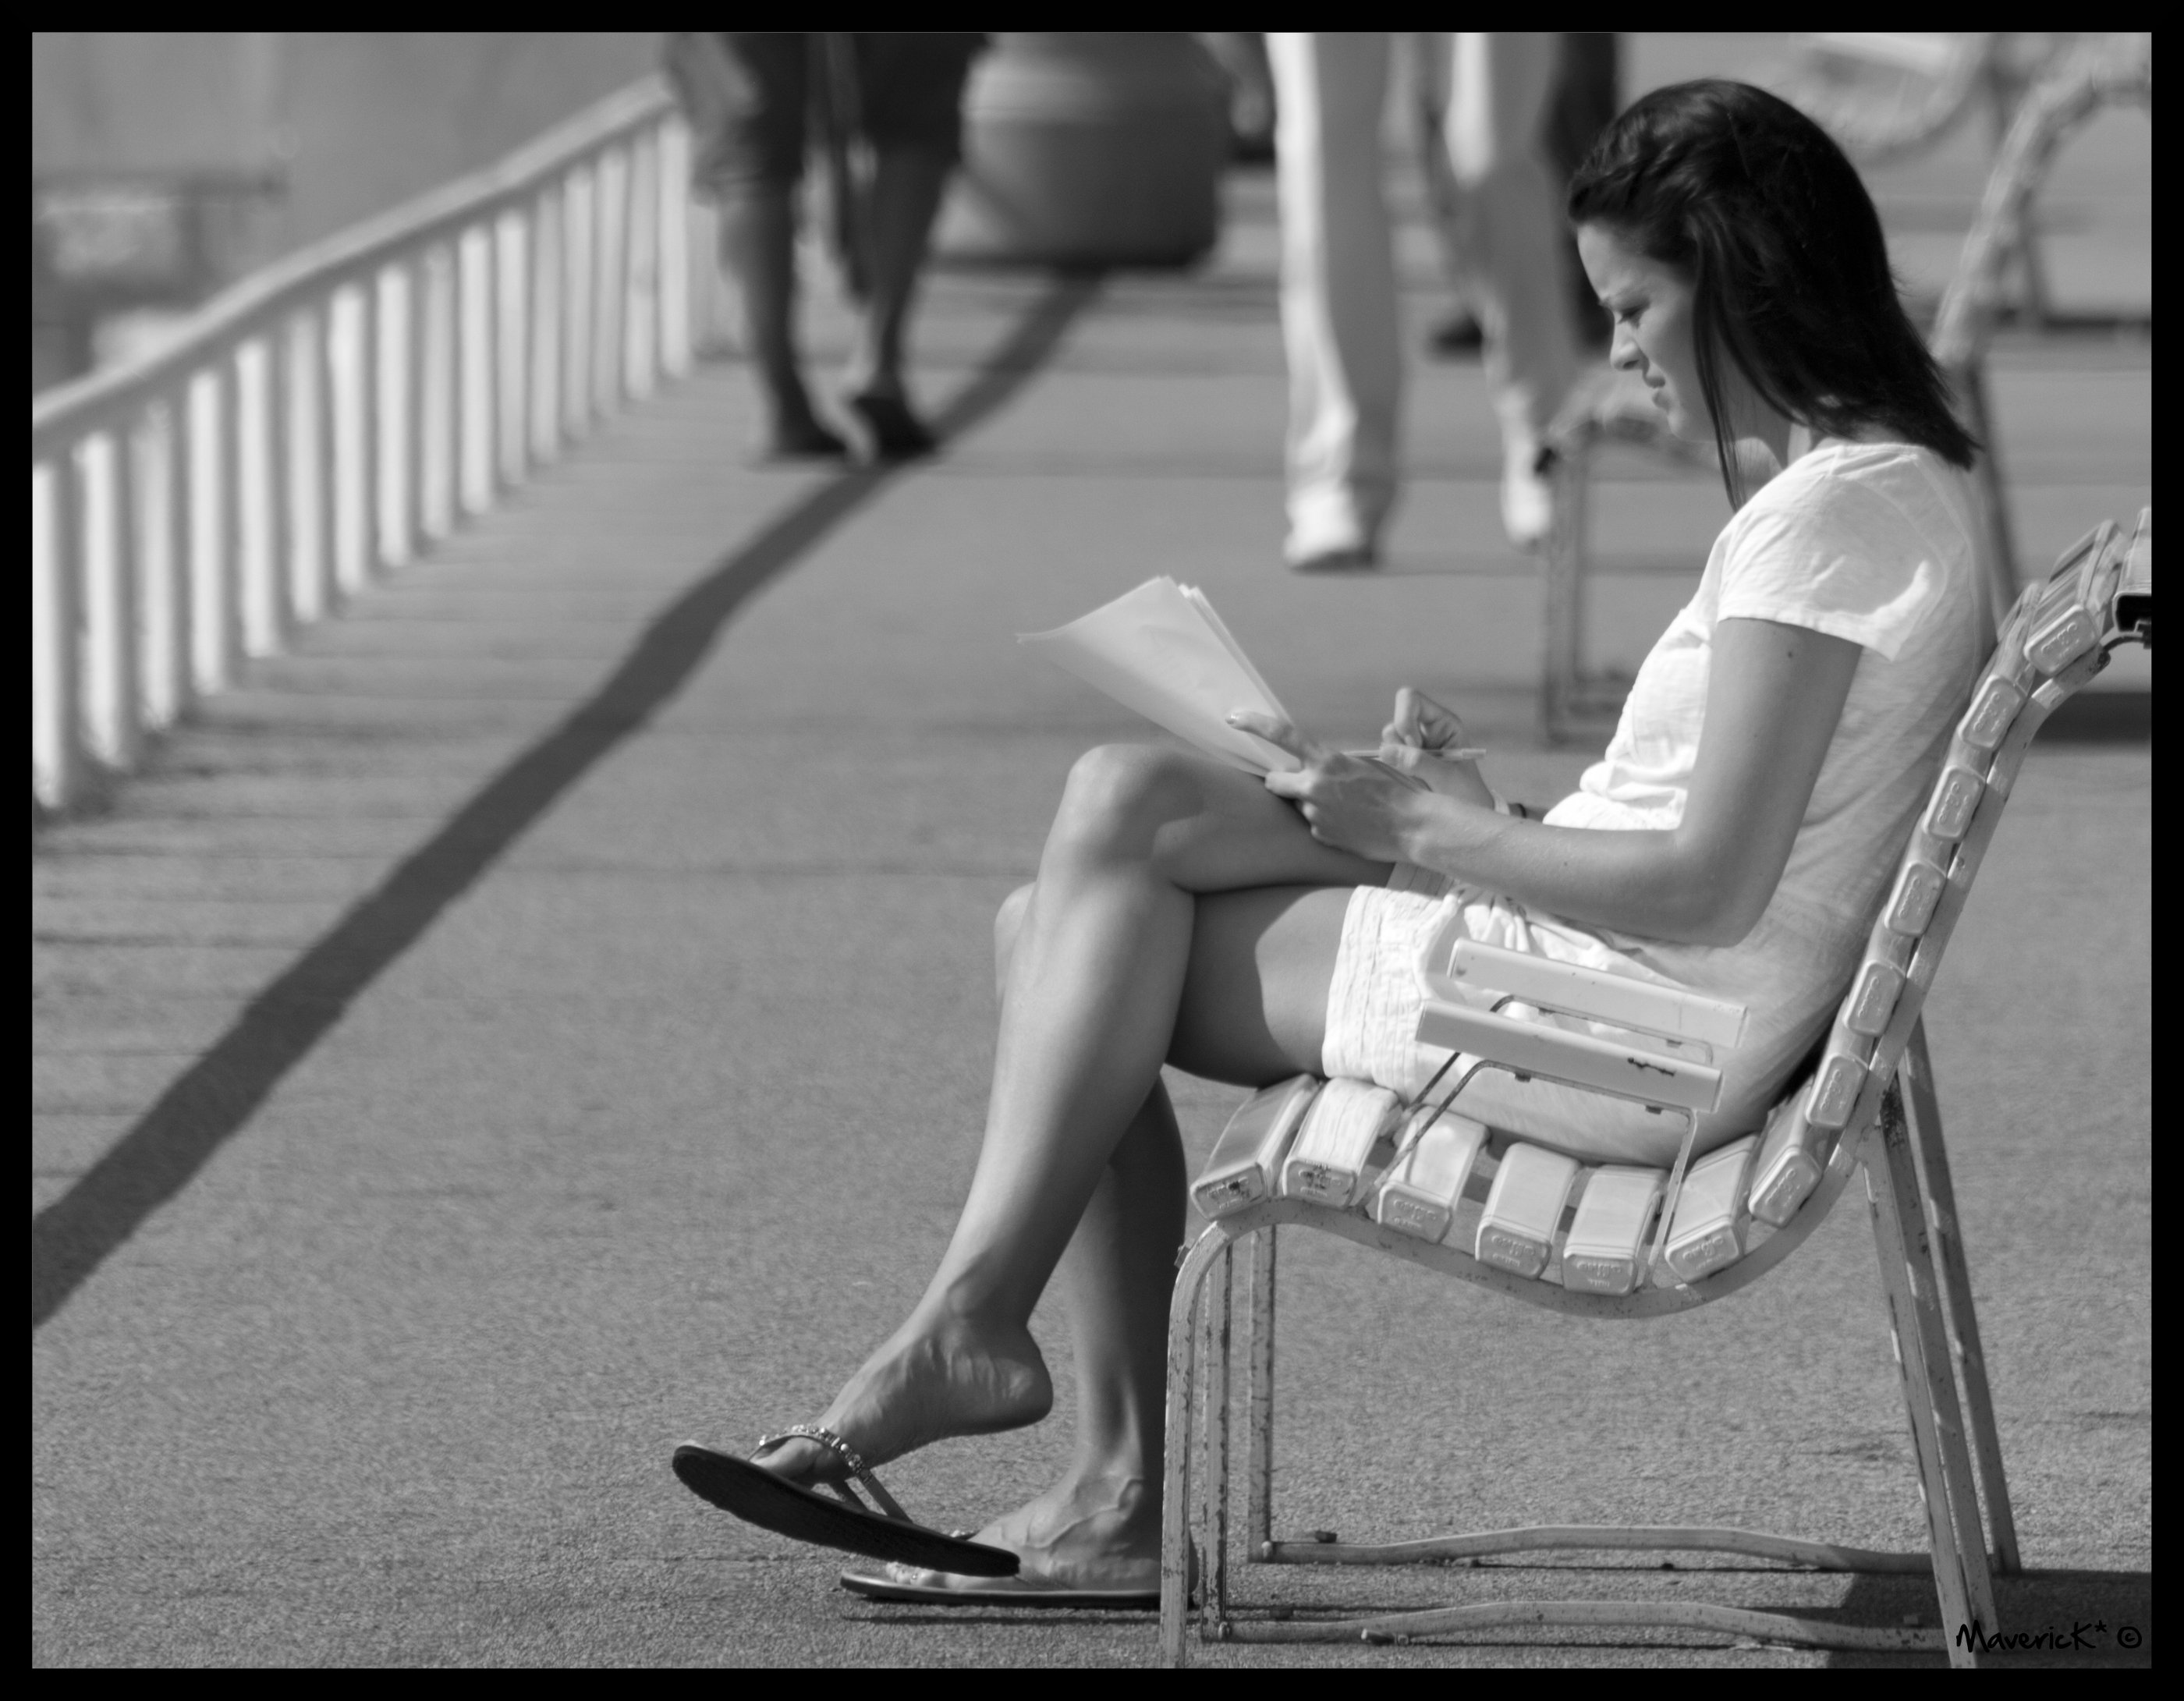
(1098,980)
(1252,1010)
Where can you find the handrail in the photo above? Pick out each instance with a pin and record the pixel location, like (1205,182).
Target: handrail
(286,282)
(334,414)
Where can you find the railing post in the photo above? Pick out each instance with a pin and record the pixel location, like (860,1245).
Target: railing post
(611,230)
(413,419)
(362,560)
(579,202)
(280,495)
(321,457)
(543,326)
(475,466)
(640,268)
(226,581)
(56,646)
(109,604)
(176,649)
(511,301)
(677,327)
(439,442)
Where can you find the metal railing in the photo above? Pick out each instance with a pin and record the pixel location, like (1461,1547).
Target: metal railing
(330,417)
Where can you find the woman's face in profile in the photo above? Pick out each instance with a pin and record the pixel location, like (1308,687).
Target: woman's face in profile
(1654,334)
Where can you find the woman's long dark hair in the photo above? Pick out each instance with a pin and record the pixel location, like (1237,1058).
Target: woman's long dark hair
(1753,202)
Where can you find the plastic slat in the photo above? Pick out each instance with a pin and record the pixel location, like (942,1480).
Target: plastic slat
(1956,795)
(1326,1162)
(1605,1253)
(1792,1155)
(1835,1089)
(1419,1193)
(1911,905)
(1247,1156)
(2062,640)
(1994,708)
(1516,1229)
(1708,1232)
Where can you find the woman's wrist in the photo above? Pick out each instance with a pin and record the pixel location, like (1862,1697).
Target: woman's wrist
(1437,829)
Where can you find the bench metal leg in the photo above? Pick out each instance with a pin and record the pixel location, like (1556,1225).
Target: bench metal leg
(1183,1476)
(1929,1389)
(1259,1402)
(1216,1314)
(1923,1106)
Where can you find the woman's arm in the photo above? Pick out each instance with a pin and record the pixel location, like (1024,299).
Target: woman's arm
(1773,696)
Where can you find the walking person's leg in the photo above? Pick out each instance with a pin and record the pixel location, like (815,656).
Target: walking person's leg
(1339,309)
(911,91)
(907,184)
(750,90)
(1509,233)
(758,247)
(1181,913)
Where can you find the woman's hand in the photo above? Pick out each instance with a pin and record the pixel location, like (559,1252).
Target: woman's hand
(1347,801)
(1414,740)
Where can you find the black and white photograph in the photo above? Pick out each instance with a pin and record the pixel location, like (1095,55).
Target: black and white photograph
(1091,849)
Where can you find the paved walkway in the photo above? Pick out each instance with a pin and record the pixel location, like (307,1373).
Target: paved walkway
(547,1016)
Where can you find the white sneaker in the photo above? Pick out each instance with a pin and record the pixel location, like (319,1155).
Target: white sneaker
(1527,496)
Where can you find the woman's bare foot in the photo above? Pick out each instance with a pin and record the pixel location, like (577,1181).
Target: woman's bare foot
(929,1382)
(1086,1532)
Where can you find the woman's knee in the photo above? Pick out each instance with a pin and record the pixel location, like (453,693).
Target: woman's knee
(1118,797)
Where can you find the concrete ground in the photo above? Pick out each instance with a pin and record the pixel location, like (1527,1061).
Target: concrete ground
(547,1016)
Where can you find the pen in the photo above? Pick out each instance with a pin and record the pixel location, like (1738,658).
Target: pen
(1466,754)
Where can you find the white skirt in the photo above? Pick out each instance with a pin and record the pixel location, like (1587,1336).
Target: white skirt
(1373,1003)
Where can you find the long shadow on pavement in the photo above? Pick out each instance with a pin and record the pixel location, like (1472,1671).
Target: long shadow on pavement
(151,1162)
(2050,1618)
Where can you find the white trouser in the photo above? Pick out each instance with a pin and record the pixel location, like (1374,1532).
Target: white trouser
(1339,321)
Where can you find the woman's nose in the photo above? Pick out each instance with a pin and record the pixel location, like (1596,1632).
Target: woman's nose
(1622,352)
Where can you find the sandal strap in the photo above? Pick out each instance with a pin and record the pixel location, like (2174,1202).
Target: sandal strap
(849,1456)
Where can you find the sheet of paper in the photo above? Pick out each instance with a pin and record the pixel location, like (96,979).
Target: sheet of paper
(1160,650)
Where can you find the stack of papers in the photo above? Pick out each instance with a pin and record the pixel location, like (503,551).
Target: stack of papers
(1162,650)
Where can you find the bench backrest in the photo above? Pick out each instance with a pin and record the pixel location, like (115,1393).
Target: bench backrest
(2057,638)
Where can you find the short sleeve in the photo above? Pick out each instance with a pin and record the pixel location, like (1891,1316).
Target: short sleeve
(1837,555)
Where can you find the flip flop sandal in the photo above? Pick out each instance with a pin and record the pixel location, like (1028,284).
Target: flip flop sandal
(758,1496)
(912,1583)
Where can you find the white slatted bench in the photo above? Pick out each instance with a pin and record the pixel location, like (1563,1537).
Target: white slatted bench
(1422,1183)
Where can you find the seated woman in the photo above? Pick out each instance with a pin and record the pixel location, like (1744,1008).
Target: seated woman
(1735,838)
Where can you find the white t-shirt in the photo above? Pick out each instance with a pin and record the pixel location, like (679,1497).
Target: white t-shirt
(1869,541)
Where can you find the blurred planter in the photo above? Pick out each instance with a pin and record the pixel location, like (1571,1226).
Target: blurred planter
(1095,149)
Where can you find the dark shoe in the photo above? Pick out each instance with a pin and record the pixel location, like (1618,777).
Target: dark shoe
(1457,338)
(896,433)
(808,442)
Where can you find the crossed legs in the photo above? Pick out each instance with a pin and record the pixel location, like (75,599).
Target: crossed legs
(1183,915)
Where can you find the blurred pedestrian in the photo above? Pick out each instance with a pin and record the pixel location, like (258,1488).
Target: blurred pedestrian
(1586,97)
(747,95)
(1338,307)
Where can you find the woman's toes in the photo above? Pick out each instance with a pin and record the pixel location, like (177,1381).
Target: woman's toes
(799,1459)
